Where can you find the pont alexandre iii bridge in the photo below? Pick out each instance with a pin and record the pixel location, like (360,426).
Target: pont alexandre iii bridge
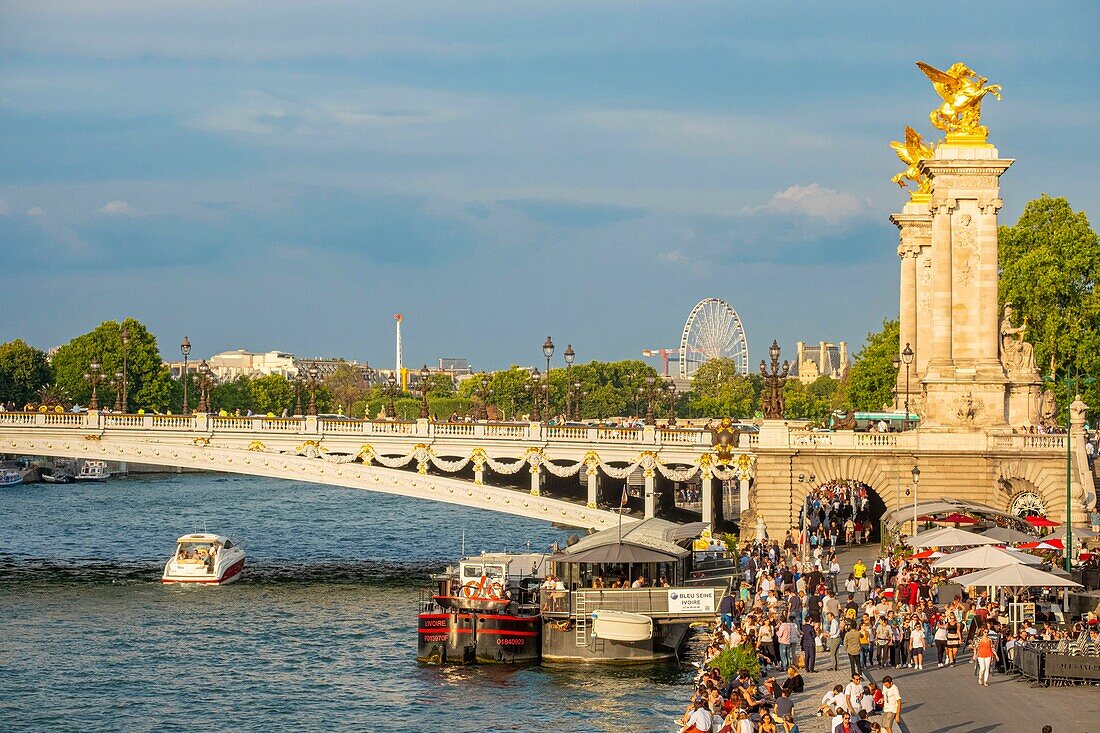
(572,475)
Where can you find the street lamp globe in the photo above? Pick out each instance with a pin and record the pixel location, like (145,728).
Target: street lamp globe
(896,362)
(548,348)
(185,347)
(907,355)
(916,474)
(773,350)
(569,354)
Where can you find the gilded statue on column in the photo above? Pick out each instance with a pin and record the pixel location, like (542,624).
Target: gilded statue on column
(912,152)
(962,92)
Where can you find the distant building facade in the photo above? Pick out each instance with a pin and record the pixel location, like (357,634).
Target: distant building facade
(821,360)
(229,365)
(455,366)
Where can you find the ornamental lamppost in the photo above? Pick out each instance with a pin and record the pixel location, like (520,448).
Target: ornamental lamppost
(650,390)
(671,391)
(907,359)
(313,382)
(575,400)
(299,383)
(773,403)
(125,335)
(206,382)
(548,351)
(116,383)
(533,383)
(916,480)
(482,392)
(185,349)
(94,375)
(425,413)
(569,355)
(391,394)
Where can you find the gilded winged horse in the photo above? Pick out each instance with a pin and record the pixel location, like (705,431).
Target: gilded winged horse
(962,91)
(912,152)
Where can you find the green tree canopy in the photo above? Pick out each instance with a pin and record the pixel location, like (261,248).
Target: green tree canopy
(346,385)
(718,390)
(1050,261)
(813,401)
(23,371)
(149,381)
(871,379)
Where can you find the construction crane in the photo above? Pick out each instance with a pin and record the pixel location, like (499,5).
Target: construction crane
(667,355)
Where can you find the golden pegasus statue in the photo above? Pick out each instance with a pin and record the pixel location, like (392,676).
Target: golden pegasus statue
(962,92)
(912,152)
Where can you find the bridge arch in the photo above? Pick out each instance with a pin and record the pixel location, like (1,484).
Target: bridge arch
(334,470)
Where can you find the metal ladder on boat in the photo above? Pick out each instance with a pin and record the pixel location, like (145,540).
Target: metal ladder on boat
(581,625)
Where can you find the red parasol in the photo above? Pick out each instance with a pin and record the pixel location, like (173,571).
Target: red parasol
(957,518)
(1037,521)
(1052,544)
(927,555)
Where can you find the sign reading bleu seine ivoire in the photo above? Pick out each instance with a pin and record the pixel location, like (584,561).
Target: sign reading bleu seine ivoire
(699,600)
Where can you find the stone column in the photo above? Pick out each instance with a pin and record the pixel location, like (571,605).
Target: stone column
(965,381)
(650,494)
(915,234)
(593,487)
(708,499)
(535,474)
(742,495)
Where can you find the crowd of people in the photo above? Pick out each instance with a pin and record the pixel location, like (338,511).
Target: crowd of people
(790,616)
(835,513)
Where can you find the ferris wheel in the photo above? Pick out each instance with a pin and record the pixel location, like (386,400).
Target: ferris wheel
(713,331)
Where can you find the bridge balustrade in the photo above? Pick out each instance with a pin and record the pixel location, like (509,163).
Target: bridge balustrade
(234,423)
(453,428)
(619,435)
(61,418)
(343,427)
(507,430)
(566,432)
(682,436)
(394,427)
(122,421)
(176,422)
(20,418)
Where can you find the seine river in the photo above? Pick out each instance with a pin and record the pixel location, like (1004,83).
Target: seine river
(320,634)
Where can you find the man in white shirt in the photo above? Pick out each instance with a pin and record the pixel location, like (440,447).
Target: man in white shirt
(699,721)
(891,704)
(854,693)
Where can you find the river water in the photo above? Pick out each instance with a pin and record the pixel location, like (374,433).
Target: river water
(320,633)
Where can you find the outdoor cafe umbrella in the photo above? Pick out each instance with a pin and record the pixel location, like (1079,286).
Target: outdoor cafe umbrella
(1054,544)
(927,554)
(984,557)
(949,537)
(956,518)
(1015,578)
(1037,521)
(1008,535)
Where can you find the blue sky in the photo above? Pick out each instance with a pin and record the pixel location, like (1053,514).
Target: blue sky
(272,175)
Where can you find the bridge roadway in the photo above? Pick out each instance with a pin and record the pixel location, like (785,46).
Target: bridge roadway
(410,458)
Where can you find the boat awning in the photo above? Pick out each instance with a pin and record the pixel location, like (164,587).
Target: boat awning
(615,553)
(645,541)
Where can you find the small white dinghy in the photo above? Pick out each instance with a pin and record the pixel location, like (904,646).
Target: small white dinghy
(621,626)
(205,559)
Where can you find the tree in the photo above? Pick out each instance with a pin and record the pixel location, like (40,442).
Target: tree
(1050,261)
(149,383)
(440,384)
(346,385)
(271,393)
(232,395)
(871,379)
(811,401)
(718,390)
(23,371)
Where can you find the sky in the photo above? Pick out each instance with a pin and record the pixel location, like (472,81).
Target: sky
(271,175)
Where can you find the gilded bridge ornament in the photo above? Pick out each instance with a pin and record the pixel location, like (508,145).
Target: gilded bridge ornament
(723,439)
(962,92)
(912,152)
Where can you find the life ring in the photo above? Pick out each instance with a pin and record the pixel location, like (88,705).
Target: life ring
(482,590)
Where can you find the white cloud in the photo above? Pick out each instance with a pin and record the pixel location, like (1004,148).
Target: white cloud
(675,256)
(817,201)
(36,211)
(118,207)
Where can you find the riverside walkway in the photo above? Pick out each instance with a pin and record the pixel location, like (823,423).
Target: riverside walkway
(949,700)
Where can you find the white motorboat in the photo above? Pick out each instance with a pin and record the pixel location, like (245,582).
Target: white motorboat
(621,625)
(93,471)
(10,477)
(207,559)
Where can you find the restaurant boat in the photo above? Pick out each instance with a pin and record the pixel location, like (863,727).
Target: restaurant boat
(616,596)
(92,470)
(204,559)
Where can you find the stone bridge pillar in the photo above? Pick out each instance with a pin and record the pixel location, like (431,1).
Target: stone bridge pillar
(650,494)
(914,249)
(965,382)
(708,499)
(593,487)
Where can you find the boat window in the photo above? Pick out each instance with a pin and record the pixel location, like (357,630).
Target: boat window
(228,544)
(471,571)
(494,571)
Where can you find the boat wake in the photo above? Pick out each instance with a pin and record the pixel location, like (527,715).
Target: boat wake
(16,571)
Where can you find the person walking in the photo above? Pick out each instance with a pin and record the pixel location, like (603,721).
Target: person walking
(916,648)
(985,654)
(832,630)
(940,638)
(852,648)
(783,637)
(891,704)
(809,644)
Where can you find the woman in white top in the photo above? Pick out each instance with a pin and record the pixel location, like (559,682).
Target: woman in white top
(917,642)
